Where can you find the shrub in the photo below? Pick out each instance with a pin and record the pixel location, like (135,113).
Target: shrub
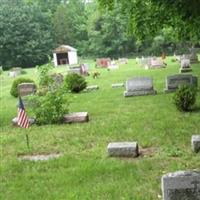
(185,97)
(16,82)
(50,108)
(44,74)
(75,82)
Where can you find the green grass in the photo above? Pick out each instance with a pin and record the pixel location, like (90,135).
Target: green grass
(85,171)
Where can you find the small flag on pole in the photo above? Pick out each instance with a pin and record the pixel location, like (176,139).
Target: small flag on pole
(22,117)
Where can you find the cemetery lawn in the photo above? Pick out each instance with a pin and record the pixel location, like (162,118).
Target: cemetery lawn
(85,171)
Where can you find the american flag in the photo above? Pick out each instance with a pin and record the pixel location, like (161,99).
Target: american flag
(22,117)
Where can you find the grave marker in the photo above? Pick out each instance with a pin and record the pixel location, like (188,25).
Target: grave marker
(196,143)
(123,149)
(181,185)
(174,81)
(26,89)
(139,86)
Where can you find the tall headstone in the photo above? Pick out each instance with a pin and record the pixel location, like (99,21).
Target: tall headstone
(26,89)
(181,185)
(174,81)
(193,56)
(139,86)
(185,65)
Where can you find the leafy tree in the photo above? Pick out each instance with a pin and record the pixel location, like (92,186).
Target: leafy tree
(150,16)
(69,23)
(25,38)
(108,34)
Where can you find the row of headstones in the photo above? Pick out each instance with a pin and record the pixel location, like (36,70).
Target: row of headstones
(108,63)
(144,85)
(181,185)
(151,62)
(193,58)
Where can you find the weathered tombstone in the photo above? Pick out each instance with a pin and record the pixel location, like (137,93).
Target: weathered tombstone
(145,62)
(185,65)
(15,72)
(123,149)
(174,81)
(76,117)
(39,157)
(181,185)
(15,121)
(196,143)
(92,87)
(155,63)
(84,69)
(117,85)
(139,86)
(26,89)
(193,56)
(103,62)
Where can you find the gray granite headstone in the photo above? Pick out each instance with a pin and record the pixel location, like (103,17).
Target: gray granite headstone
(174,81)
(26,89)
(123,149)
(196,143)
(139,86)
(181,185)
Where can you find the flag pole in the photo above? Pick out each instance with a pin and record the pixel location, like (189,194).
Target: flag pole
(27,141)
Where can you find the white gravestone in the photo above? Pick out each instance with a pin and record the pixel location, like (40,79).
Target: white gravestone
(185,66)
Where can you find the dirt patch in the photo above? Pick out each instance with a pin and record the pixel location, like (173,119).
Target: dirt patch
(39,156)
(147,152)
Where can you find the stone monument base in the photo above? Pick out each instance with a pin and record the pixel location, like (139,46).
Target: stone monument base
(139,93)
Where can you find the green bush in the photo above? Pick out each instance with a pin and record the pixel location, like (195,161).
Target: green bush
(75,83)
(50,108)
(185,97)
(16,82)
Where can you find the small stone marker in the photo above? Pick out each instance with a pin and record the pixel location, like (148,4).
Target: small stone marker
(196,143)
(181,185)
(139,86)
(15,120)
(76,117)
(26,89)
(92,87)
(123,149)
(185,66)
(174,81)
(117,85)
(40,157)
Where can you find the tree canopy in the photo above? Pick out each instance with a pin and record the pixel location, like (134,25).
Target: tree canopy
(148,17)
